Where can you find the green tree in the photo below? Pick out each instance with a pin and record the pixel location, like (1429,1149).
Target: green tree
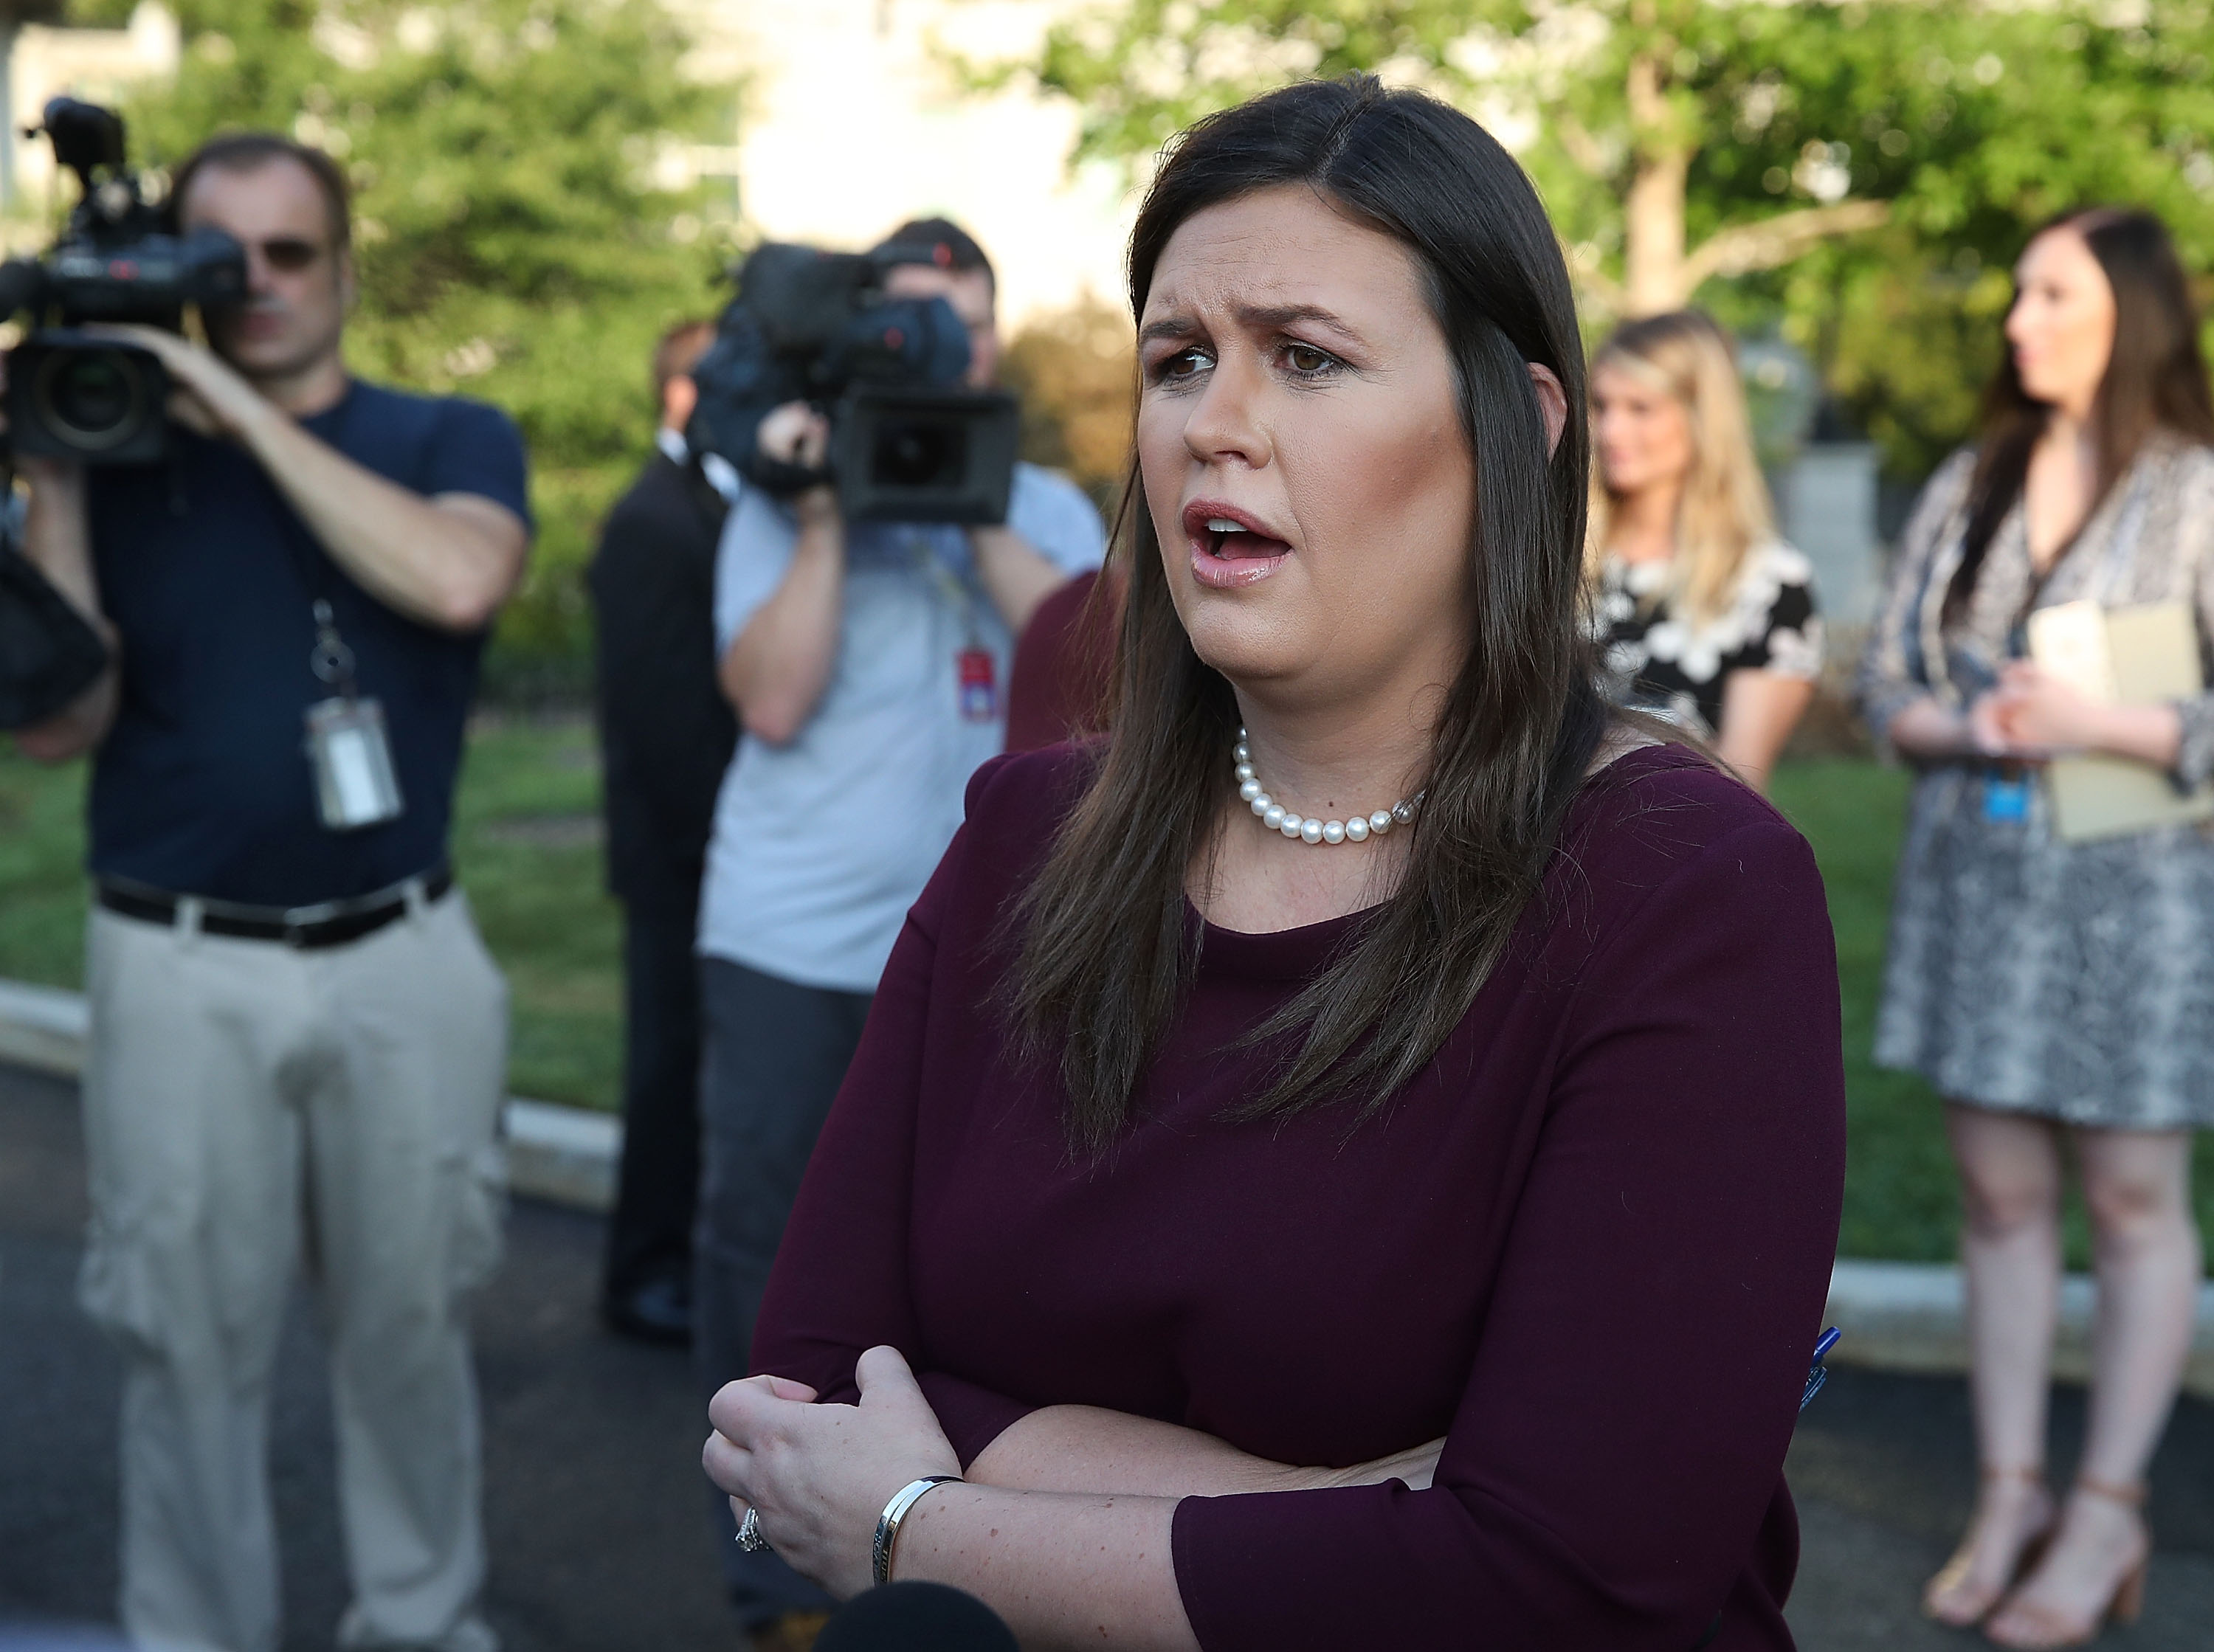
(1681,141)
(521,234)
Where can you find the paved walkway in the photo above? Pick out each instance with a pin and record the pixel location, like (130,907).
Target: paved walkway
(591,1446)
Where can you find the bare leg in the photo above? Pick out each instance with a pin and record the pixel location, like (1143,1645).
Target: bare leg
(2137,1184)
(2010,1248)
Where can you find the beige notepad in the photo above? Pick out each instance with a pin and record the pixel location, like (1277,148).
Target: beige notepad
(2118,657)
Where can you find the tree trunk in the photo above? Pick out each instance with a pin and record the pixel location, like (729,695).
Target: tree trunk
(1652,213)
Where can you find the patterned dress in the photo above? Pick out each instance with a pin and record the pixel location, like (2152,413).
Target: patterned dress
(2072,981)
(1674,664)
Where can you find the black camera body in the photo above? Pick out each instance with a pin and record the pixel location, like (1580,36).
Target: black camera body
(72,395)
(908,442)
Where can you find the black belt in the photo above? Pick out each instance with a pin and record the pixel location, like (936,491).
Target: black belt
(327,923)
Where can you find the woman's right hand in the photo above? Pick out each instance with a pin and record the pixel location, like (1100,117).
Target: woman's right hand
(1418,1466)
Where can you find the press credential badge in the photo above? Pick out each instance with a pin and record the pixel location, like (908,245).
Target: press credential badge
(356,784)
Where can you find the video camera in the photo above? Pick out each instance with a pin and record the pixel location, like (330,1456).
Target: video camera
(73,395)
(909,443)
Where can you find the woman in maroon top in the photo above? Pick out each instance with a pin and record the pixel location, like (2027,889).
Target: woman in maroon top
(1399,1221)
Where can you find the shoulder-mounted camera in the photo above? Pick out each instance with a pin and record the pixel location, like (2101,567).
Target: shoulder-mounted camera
(75,395)
(908,441)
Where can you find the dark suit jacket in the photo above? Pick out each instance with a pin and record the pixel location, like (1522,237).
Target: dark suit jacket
(665,730)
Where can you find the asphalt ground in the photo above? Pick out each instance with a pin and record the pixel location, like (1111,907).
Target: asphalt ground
(595,1500)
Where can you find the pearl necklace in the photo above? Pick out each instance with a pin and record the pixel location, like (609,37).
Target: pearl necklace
(1274,816)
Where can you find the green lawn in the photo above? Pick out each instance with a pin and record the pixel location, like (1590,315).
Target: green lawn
(527,851)
(526,848)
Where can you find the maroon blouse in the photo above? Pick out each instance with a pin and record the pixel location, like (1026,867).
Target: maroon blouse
(1589,1244)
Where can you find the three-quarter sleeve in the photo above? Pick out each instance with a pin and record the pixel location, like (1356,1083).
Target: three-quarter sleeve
(1619,1441)
(1894,671)
(2194,756)
(841,1285)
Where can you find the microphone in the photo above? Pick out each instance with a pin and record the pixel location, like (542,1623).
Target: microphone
(916,1618)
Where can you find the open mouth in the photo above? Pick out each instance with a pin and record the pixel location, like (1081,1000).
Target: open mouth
(1228,548)
(1232,541)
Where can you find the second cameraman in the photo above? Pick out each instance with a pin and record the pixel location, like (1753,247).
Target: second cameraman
(869,664)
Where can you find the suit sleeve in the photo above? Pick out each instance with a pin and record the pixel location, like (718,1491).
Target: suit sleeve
(1620,1439)
(660,699)
(840,1286)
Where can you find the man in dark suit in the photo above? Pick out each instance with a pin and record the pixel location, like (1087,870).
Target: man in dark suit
(666,733)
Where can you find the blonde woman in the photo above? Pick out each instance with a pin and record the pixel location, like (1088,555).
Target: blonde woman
(1707,616)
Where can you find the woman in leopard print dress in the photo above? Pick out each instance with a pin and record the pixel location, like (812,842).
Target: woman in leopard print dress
(2058,993)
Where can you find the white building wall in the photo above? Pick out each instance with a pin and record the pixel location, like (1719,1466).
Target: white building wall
(850,123)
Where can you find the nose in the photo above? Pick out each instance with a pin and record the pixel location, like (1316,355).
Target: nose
(261,277)
(1224,426)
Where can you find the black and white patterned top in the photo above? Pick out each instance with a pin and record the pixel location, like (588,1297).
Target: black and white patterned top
(1668,662)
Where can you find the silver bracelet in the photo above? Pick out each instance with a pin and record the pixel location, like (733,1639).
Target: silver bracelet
(887,1523)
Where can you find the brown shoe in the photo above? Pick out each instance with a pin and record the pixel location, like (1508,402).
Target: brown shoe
(793,1632)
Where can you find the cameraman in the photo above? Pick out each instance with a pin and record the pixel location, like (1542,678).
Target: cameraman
(869,666)
(298,1041)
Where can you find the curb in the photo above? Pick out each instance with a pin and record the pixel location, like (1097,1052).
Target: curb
(1896,1316)
(565,1155)
(1906,1316)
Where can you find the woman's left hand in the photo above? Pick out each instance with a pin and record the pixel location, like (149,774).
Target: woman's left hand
(2041,713)
(819,1476)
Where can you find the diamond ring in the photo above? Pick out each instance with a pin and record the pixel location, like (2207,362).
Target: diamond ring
(750,1533)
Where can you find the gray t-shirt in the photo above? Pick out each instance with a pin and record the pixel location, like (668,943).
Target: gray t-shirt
(822,844)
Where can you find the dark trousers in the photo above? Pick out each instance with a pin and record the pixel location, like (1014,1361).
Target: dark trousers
(776,1053)
(650,1235)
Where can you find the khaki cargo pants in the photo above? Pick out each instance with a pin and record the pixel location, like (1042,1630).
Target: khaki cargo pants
(250,1107)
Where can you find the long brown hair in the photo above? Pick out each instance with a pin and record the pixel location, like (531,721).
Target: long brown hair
(2156,380)
(1724,509)
(1107,946)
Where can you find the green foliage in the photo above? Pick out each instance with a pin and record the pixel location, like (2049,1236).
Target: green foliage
(1973,121)
(515,241)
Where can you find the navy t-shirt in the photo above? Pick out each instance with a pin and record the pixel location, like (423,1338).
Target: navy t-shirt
(204,786)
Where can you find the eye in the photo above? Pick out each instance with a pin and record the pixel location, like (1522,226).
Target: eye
(1186,363)
(1306,360)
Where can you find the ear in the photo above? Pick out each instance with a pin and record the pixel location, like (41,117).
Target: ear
(1552,403)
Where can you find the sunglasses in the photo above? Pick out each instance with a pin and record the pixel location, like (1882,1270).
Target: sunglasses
(289,254)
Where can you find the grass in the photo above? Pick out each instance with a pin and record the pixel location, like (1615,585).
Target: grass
(525,848)
(527,855)
(1899,1197)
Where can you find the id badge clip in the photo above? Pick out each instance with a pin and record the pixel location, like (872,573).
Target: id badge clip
(979,681)
(356,784)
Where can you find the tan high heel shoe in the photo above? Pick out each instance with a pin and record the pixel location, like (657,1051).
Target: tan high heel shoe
(1965,1611)
(2043,1629)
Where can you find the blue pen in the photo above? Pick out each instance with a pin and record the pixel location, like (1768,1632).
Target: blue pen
(1819,1372)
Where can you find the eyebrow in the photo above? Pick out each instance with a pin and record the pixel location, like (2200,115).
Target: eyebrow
(1258,315)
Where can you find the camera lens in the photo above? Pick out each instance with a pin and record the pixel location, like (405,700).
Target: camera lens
(93,399)
(919,454)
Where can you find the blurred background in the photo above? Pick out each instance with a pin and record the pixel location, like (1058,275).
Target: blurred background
(544,185)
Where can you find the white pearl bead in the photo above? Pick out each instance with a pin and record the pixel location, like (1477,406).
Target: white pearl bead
(1356,830)
(1241,753)
(1249,790)
(1291,826)
(1311,829)
(1333,832)
(1273,817)
(1245,771)
(1404,813)
(1259,803)
(1380,822)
